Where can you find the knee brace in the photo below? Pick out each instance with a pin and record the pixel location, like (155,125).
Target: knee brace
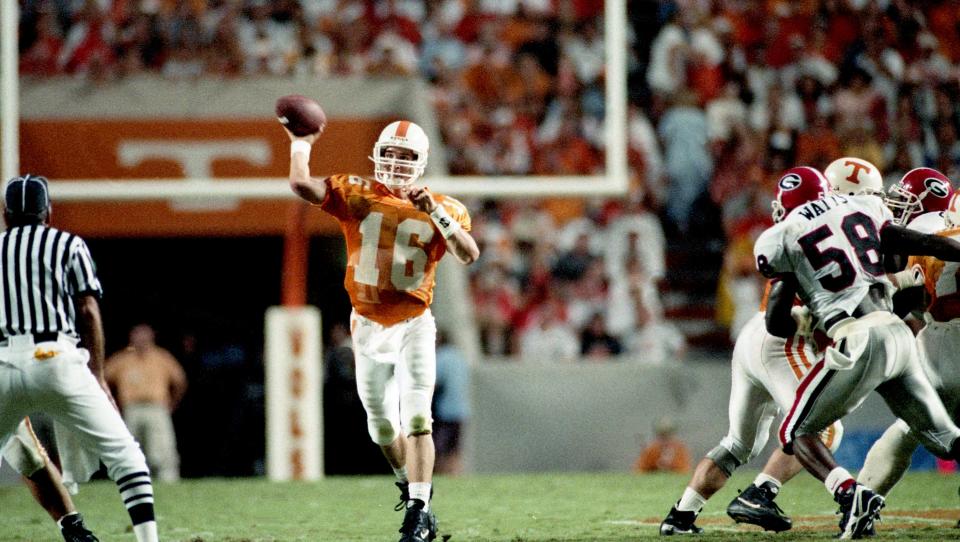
(727,459)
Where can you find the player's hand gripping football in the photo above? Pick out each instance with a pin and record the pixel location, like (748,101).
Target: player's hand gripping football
(422,199)
(311,138)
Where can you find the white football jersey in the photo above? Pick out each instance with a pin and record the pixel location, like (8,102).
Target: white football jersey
(832,245)
(928,222)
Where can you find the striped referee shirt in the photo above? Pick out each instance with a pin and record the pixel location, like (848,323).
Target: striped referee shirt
(41,270)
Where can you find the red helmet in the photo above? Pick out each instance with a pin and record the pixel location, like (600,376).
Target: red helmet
(921,190)
(798,186)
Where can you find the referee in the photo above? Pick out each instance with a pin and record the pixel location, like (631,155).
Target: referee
(49,291)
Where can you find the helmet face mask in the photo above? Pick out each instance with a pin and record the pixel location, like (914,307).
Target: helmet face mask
(400,155)
(921,190)
(951,217)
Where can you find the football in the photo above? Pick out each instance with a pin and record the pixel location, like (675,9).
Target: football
(301,115)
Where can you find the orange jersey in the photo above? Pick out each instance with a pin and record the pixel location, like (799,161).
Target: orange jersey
(941,280)
(392,248)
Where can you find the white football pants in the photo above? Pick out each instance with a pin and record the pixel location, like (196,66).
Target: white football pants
(875,352)
(396,373)
(766,371)
(53,377)
(889,457)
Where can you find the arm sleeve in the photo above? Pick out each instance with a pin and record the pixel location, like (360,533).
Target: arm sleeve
(769,254)
(81,271)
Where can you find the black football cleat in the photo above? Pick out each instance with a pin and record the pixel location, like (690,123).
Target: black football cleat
(404,488)
(419,525)
(859,510)
(73,530)
(679,523)
(755,506)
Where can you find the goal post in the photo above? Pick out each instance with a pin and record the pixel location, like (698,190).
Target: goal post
(293,384)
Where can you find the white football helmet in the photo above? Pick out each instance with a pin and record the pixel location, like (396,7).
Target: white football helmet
(952,215)
(852,176)
(394,172)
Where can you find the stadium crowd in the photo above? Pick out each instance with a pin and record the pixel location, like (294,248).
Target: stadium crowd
(720,105)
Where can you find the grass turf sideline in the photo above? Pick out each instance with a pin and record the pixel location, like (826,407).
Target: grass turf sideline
(508,508)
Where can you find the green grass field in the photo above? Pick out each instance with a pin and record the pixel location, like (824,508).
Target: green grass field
(543,507)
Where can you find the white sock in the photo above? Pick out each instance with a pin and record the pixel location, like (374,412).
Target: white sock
(836,477)
(691,501)
(146,532)
(421,491)
(764,478)
(401,473)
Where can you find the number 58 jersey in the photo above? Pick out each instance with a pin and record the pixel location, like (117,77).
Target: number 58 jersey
(832,246)
(392,248)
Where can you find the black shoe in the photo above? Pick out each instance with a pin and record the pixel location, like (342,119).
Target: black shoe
(859,510)
(418,525)
(73,529)
(755,506)
(678,522)
(404,488)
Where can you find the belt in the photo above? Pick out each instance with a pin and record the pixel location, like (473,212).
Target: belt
(45,337)
(874,301)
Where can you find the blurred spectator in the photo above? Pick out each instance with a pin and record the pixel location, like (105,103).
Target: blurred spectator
(654,341)
(595,343)
(451,409)
(573,264)
(550,338)
(149,384)
(666,453)
(42,57)
(87,47)
(689,164)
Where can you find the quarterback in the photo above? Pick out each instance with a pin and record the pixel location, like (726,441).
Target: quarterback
(395,234)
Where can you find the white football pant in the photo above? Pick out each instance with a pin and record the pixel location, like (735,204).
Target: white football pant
(766,371)
(889,457)
(53,377)
(875,352)
(396,373)
(23,451)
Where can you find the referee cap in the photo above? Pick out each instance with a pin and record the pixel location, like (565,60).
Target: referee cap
(27,195)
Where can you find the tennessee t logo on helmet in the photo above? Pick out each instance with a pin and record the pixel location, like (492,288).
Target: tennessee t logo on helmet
(852,176)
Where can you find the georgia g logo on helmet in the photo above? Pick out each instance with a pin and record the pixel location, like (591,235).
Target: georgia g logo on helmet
(936,187)
(789,181)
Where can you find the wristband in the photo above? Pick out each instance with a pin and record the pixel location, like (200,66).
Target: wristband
(300,146)
(445,223)
(909,278)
